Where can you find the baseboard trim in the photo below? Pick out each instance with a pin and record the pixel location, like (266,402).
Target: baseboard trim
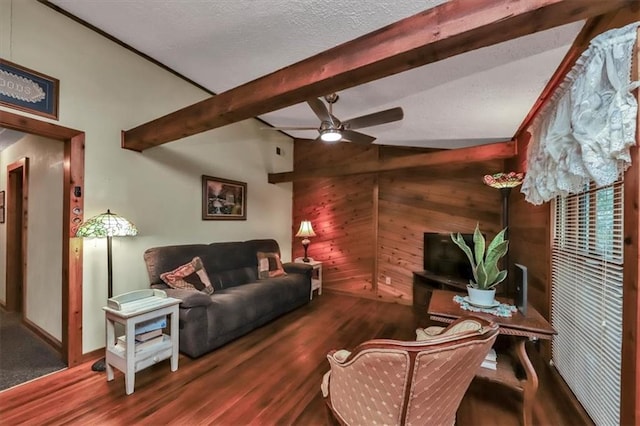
(93,355)
(51,341)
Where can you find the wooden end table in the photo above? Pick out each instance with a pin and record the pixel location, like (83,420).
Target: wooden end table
(316,275)
(131,309)
(520,327)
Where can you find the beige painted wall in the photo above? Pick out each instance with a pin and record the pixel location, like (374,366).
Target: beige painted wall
(43,301)
(105,89)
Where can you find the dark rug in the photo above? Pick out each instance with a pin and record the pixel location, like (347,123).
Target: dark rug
(23,355)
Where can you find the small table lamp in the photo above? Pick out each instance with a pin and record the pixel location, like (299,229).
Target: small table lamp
(106,225)
(305,231)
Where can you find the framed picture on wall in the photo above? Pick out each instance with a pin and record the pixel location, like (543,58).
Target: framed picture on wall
(1,206)
(223,199)
(28,90)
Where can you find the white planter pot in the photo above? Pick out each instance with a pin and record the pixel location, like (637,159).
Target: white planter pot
(481,297)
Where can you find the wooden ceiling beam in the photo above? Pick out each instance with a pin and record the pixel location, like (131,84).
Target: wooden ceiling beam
(446,30)
(472,154)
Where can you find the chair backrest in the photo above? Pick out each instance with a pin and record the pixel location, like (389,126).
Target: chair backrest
(418,382)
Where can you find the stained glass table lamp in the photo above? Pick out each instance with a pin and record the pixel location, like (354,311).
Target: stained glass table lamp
(106,225)
(504,182)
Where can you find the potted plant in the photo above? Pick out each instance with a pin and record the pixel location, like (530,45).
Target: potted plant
(484,264)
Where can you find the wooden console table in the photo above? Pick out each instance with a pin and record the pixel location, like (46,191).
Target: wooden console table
(520,327)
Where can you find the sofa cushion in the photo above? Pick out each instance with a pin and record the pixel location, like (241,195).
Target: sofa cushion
(254,303)
(269,265)
(228,255)
(190,276)
(266,246)
(189,298)
(233,277)
(227,263)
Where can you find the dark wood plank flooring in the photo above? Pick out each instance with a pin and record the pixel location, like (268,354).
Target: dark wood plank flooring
(269,377)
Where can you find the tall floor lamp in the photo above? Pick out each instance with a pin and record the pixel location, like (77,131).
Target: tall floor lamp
(106,225)
(305,231)
(504,182)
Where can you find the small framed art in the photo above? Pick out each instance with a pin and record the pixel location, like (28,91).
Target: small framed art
(223,199)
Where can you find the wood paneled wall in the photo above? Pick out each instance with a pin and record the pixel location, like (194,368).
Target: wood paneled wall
(370,227)
(341,212)
(449,198)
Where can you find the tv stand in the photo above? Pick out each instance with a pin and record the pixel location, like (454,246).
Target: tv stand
(424,282)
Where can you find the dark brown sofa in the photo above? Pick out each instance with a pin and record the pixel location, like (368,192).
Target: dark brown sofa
(240,302)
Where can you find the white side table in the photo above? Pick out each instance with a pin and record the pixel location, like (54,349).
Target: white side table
(316,275)
(129,310)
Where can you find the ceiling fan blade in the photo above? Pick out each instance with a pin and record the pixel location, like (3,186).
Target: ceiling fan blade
(320,109)
(380,117)
(357,137)
(289,128)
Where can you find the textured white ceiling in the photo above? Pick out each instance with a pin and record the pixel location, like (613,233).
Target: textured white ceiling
(474,98)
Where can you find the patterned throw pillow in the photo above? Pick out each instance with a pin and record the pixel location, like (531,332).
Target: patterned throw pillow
(269,265)
(191,276)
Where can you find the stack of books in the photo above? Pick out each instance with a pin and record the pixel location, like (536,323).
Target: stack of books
(491,360)
(147,334)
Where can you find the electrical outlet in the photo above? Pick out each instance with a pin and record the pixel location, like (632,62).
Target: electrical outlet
(387,280)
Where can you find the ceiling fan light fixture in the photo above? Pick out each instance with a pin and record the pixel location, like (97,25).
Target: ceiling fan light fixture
(330,135)
(333,130)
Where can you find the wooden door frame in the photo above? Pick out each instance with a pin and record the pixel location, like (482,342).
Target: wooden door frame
(72,217)
(15,167)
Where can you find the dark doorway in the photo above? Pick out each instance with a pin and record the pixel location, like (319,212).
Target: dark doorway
(72,216)
(16,220)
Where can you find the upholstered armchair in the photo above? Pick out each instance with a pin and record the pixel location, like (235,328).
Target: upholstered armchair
(390,382)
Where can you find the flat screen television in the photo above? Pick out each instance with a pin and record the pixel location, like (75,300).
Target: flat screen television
(443,257)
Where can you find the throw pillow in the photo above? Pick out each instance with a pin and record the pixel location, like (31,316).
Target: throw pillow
(269,265)
(190,276)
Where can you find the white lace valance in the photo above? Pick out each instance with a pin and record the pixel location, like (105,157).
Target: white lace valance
(585,131)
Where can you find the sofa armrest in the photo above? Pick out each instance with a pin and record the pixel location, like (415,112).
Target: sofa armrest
(297,268)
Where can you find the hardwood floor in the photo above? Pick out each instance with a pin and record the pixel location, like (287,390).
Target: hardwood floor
(270,376)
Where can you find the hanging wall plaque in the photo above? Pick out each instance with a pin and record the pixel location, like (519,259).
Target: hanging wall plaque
(27,90)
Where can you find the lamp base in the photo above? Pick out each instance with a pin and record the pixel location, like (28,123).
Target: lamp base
(305,245)
(99,365)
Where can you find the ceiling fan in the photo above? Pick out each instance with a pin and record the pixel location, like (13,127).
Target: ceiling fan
(333,130)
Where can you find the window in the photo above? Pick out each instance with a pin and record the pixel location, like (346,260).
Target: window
(586,305)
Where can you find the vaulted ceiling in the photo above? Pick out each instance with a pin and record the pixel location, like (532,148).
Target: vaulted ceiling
(465,72)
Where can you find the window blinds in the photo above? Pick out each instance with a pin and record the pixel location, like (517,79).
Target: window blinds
(586,297)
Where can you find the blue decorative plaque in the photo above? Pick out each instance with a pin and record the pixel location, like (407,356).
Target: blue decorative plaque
(28,90)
